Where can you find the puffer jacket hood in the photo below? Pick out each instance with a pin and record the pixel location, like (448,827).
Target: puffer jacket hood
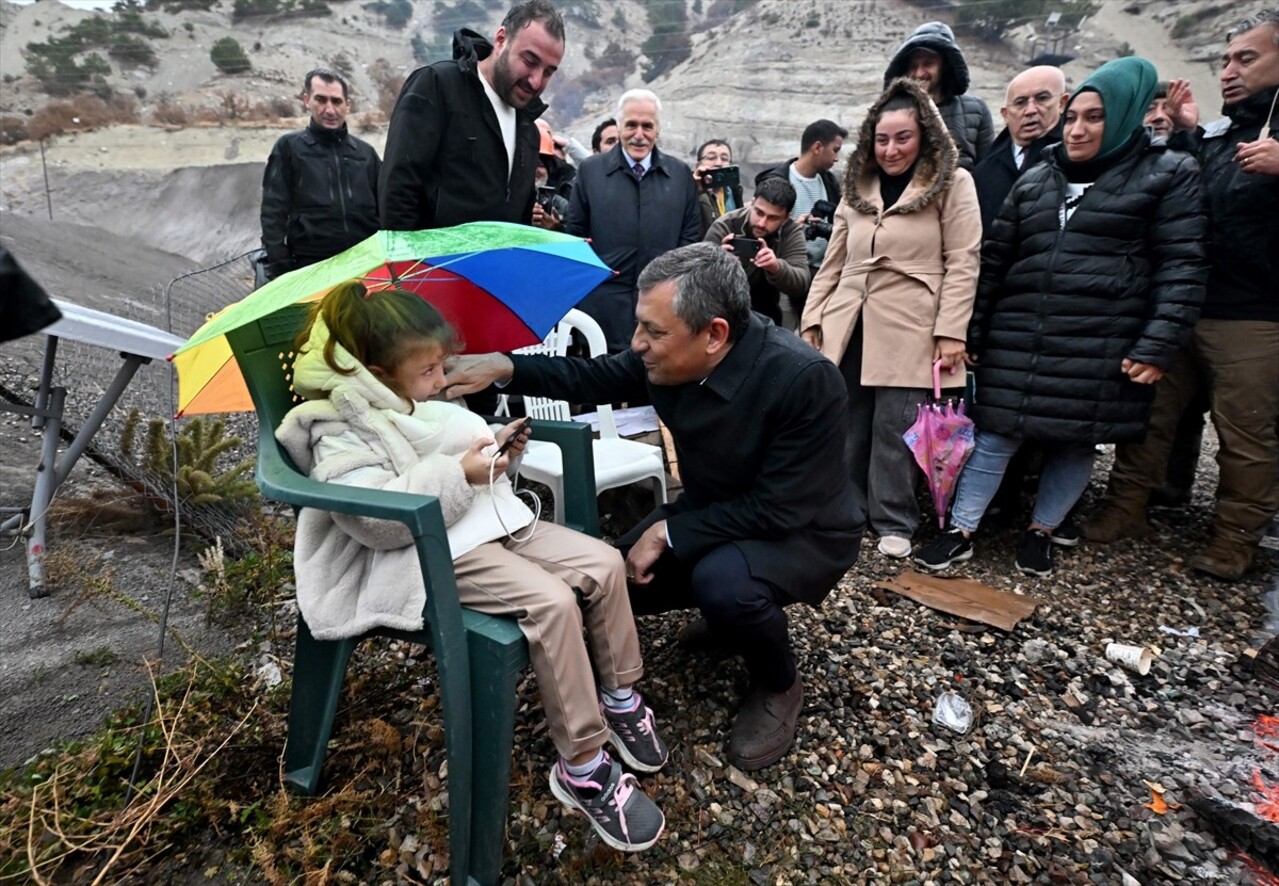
(315,379)
(938,37)
(938,156)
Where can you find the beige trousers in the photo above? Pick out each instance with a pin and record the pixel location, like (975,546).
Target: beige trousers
(555,584)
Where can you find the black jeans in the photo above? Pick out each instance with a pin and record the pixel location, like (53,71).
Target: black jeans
(745,611)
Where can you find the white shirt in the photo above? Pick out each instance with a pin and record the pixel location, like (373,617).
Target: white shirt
(505,121)
(1019,154)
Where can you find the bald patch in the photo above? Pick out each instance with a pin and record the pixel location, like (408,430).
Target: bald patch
(1036,78)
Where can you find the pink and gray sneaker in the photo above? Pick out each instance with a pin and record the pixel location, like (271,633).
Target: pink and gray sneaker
(622,814)
(633,734)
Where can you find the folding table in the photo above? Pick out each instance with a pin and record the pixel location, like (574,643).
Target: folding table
(137,343)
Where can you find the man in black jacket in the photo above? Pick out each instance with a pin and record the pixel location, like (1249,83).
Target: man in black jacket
(463,145)
(1032,117)
(1235,347)
(768,515)
(931,56)
(634,203)
(319,190)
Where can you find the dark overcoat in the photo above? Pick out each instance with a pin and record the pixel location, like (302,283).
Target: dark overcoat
(629,222)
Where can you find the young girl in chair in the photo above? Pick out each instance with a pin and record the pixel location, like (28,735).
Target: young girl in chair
(369,364)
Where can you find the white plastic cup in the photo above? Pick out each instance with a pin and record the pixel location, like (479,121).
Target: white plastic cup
(1135,658)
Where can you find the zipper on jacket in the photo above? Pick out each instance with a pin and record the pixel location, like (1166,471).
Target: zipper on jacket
(337,166)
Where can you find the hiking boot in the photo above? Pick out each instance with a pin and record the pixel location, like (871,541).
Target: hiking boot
(944,550)
(633,735)
(765,727)
(622,814)
(1223,560)
(894,546)
(1035,556)
(1115,521)
(1066,535)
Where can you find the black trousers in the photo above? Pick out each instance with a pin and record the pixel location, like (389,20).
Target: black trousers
(747,612)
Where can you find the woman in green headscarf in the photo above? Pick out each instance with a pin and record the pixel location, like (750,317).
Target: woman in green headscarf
(1091,280)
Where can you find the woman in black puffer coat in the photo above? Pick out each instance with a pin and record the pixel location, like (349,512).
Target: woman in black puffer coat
(1092,277)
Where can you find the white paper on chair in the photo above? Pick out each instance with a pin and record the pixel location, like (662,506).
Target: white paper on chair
(631,422)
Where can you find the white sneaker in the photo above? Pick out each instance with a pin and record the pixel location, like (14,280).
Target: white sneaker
(894,546)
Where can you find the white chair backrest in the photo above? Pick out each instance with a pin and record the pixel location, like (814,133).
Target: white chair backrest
(596,347)
(556,345)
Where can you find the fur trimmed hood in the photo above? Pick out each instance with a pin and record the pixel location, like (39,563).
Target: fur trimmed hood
(934,170)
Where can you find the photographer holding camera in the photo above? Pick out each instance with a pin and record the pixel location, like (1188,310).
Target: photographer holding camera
(814,183)
(769,245)
(719,182)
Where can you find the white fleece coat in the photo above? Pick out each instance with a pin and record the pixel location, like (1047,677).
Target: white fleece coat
(357,573)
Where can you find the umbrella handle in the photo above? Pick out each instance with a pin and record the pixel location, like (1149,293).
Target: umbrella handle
(937,380)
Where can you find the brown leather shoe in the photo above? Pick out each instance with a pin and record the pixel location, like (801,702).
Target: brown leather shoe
(765,727)
(1226,562)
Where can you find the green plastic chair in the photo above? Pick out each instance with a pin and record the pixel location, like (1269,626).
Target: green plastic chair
(479,657)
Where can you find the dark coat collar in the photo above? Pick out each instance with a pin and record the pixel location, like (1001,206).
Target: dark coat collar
(736,366)
(619,160)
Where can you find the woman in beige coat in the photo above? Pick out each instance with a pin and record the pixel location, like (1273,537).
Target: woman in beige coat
(895,293)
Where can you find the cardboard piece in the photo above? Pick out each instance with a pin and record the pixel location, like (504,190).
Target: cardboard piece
(964,597)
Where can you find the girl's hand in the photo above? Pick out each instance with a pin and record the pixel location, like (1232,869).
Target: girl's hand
(813,335)
(475,464)
(1142,373)
(950,351)
(517,446)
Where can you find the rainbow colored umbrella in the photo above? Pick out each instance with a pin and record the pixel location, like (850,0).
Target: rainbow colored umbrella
(502,286)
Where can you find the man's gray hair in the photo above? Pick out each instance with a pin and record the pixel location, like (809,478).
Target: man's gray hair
(709,283)
(638,95)
(1268,16)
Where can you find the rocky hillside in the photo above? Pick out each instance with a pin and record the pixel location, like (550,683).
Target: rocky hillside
(755,71)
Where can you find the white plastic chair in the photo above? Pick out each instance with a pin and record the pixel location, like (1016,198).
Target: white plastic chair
(618,461)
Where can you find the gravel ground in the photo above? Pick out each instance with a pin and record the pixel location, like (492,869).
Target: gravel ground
(1049,786)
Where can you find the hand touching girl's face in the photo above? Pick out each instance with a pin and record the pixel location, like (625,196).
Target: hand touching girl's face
(419,374)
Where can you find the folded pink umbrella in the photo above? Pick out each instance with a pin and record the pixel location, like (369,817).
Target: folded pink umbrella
(941,440)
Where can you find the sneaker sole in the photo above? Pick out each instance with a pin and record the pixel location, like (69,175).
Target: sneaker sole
(937,567)
(630,759)
(571,804)
(1064,542)
(1027,570)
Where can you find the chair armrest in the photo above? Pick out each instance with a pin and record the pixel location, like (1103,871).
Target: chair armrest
(581,509)
(279,480)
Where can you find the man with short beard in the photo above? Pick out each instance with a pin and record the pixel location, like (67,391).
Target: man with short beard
(463,144)
(1234,352)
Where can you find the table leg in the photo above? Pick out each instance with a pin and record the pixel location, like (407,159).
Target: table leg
(46,485)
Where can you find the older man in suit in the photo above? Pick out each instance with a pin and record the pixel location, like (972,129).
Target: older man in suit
(768,515)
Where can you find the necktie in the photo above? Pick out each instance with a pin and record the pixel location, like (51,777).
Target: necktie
(638,169)
(1021,157)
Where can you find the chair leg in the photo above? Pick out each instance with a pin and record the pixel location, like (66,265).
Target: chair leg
(319,668)
(495,668)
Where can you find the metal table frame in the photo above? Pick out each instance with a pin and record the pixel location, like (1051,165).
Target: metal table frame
(137,343)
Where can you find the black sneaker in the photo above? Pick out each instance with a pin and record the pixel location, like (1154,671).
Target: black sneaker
(944,550)
(1066,535)
(633,735)
(1035,556)
(622,814)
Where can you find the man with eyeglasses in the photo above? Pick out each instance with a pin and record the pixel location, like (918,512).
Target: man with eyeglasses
(714,202)
(1032,121)
(319,190)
